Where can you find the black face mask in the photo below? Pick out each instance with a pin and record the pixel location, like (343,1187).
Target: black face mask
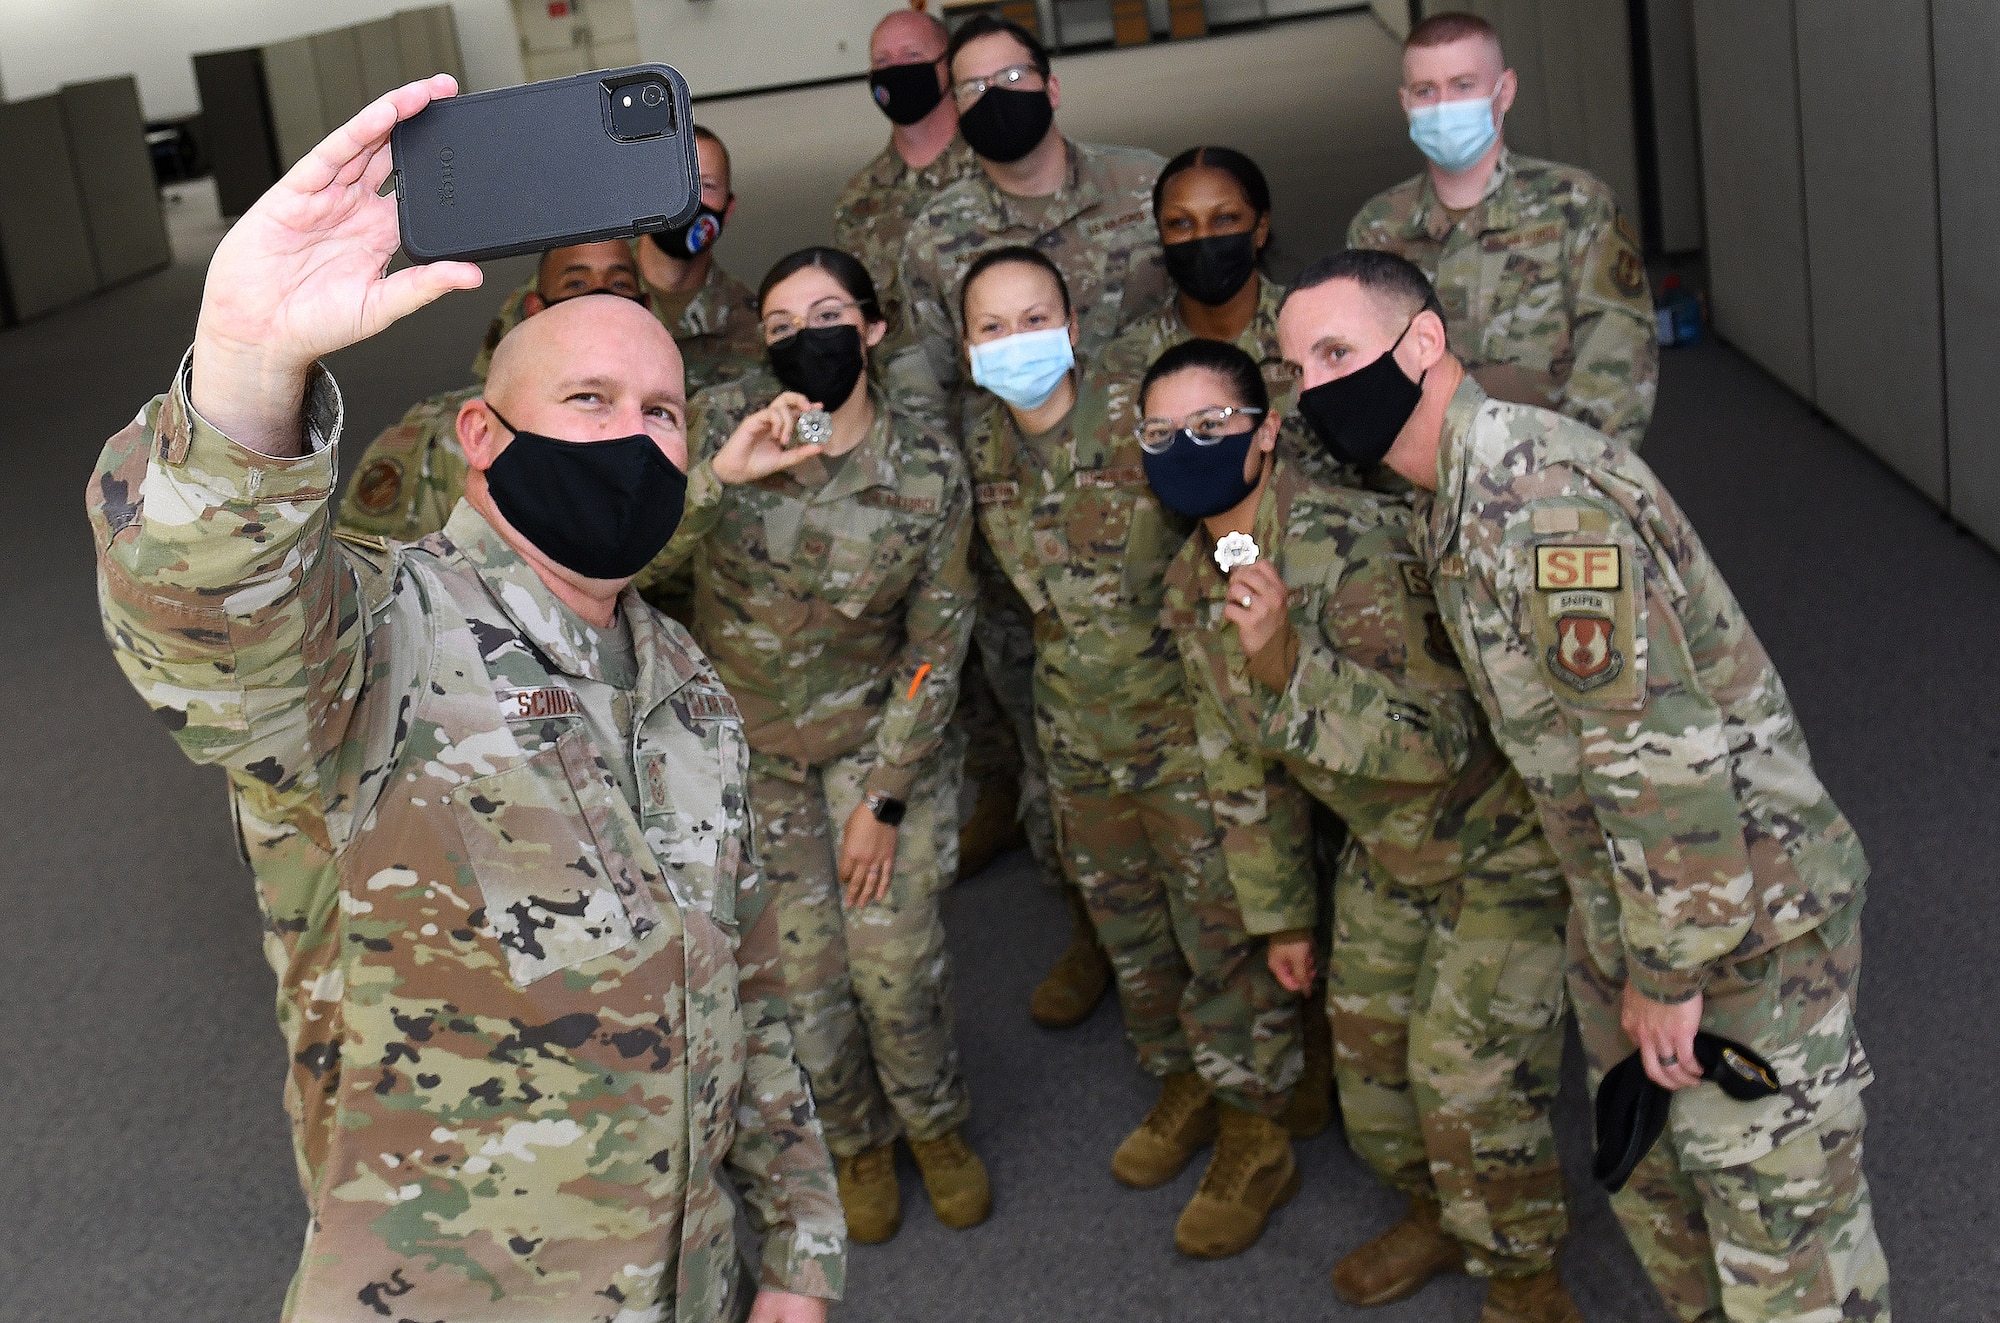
(1006,124)
(821,363)
(1199,481)
(1211,270)
(906,92)
(1357,417)
(599,508)
(692,238)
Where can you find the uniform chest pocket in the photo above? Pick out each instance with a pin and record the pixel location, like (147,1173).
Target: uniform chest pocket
(1527,319)
(691,778)
(551,899)
(870,559)
(1006,528)
(1096,527)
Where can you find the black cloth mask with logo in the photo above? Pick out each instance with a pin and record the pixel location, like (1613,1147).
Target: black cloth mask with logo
(1210,271)
(821,363)
(692,237)
(906,92)
(602,509)
(1006,124)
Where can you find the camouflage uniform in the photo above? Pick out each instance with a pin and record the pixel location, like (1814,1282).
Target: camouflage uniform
(1446,980)
(837,607)
(528,975)
(1704,855)
(1543,289)
(1074,523)
(1098,229)
(874,212)
(407,481)
(1126,359)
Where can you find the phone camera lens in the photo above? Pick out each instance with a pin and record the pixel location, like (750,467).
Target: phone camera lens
(654,94)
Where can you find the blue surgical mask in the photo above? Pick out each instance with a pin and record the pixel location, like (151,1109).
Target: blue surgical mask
(1024,369)
(1454,134)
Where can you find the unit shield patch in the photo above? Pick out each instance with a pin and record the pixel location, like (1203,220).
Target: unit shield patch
(1585,624)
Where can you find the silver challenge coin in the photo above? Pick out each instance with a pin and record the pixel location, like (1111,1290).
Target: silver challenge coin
(814,428)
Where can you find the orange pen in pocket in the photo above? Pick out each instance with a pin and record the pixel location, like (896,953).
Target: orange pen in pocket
(918,679)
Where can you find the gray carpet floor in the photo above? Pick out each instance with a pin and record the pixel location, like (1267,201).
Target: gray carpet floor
(145,1170)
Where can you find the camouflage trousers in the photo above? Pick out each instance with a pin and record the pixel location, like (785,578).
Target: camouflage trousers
(1447,1004)
(1004,631)
(869,987)
(1758,1211)
(1193,985)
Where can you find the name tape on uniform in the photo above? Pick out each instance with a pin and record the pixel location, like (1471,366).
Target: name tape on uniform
(539,704)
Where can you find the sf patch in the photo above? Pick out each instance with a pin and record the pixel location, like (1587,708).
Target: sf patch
(1585,621)
(378,487)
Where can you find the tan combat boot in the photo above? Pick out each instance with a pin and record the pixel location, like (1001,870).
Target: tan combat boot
(955,1179)
(870,1196)
(1181,1122)
(991,829)
(1538,1298)
(1252,1173)
(1082,972)
(1396,1264)
(1311,1108)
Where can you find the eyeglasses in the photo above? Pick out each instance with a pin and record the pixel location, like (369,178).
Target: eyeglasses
(828,311)
(1205,427)
(1009,79)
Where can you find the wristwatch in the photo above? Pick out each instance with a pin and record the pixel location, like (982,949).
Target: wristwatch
(889,812)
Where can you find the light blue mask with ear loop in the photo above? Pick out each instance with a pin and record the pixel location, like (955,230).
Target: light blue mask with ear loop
(1024,369)
(1455,134)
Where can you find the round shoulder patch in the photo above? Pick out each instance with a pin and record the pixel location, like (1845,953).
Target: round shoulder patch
(377,487)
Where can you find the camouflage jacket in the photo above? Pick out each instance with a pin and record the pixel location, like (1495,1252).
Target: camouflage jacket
(1545,294)
(1098,230)
(874,212)
(718,333)
(528,978)
(410,477)
(1075,526)
(1625,685)
(1114,411)
(1377,722)
(837,609)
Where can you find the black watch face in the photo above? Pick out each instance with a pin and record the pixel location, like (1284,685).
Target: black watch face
(889,812)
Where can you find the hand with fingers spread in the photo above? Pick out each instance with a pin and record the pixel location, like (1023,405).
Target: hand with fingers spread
(867,857)
(762,443)
(1664,1034)
(1256,606)
(305,272)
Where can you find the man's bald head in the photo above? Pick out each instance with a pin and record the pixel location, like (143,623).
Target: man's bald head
(907,37)
(593,368)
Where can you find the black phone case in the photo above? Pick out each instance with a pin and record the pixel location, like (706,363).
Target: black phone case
(529,168)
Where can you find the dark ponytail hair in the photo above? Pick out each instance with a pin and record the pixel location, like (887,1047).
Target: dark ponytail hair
(1225,360)
(1226,159)
(848,273)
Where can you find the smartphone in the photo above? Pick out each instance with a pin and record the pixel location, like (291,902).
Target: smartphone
(605,155)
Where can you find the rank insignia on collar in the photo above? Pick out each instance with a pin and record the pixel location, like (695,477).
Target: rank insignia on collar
(1582,656)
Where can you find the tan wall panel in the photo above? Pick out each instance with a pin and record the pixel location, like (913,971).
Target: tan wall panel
(444,43)
(1872,227)
(1676,144)
(114,173)
(44,240)
(381,61)
(342,93)
(1393,14)
(1966,33)
(291,80)
(1752,185)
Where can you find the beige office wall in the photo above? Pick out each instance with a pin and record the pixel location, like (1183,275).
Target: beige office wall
(1394,15)
(1866,107)
(291,81)
(1753,184)
(44,238)
(1965,36)
(342,94)
(114,176)
(1676,141)
(1574,59)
